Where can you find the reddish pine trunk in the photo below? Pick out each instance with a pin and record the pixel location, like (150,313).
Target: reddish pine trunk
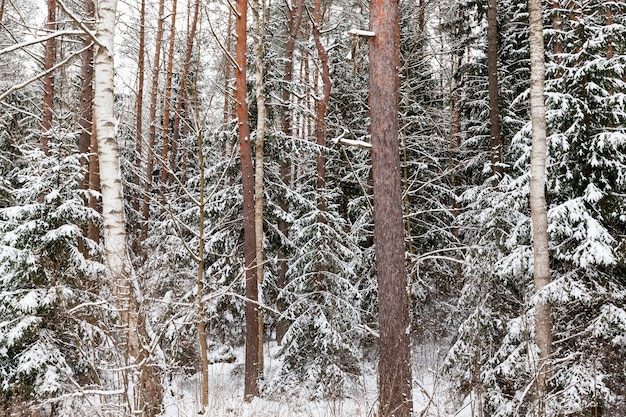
(394,366)
(557,47)
(182,95)
(227,67)
(139,114)
(86,96)
(321,105)
(251,388)
(93,231)
(152,131)
(48,79)
(87,143)
(494,102)
(294,19)
(609,21)
(168,95)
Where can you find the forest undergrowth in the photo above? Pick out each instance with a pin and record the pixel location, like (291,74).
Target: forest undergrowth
(433,395)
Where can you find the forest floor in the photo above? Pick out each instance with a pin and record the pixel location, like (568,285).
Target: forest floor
(432,395)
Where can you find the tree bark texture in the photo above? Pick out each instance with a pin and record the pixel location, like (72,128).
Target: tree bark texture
(394,367)
(541,268)
(251,377)
(182,95)
(557,47)
(114,222)
(86,95)
(168,95)
(87,141)
(141,59)
(152,130)
(294,19)
(494,101)
(48,79)
(93,231)
(321,106)
(609,22)
(204,360)
(259,31)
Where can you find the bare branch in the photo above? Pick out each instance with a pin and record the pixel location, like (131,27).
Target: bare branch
(363,33)
(40,40)
(80,23)
(222,47)
(43,74)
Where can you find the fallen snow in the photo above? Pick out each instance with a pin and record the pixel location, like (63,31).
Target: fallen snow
(431,393)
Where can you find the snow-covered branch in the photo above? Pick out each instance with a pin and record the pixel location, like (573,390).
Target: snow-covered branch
(42,39)
(43,73)
(363,33)
(351,142)
(79,22)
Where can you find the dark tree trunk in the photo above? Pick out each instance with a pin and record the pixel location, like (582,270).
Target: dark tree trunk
(251,388)
(86,96)
(609,22)
(320,124)
(294,19)
(153,122)
(168,95)
(320,106)
(48,79)
(557,46)
(87,142)
(93,231)
(394,367)
(227,68)
(494,102)
(139,113)
(182,95)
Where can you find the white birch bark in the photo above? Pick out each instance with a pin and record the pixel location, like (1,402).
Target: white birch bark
(114,223)
(115,250)
(541,269)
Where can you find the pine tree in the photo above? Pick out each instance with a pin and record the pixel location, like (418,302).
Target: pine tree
(48,271)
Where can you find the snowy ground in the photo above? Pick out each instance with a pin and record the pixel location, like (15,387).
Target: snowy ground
(431,394)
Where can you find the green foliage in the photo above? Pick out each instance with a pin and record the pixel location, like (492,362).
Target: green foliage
(48,269)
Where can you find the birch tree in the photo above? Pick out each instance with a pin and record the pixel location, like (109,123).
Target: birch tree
(539,214)
(114,222)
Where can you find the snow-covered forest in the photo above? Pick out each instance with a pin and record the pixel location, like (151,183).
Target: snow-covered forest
(208,207)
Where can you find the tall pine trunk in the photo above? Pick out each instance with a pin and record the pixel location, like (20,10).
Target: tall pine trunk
(541,268)
(320,107)
(294,19)
(182,94)
(153,123)
(494,101)
(251,377)
(86,95)
(258,7)
(48,79)
(168,96)
(87,143)
(141,59)
(394,368)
